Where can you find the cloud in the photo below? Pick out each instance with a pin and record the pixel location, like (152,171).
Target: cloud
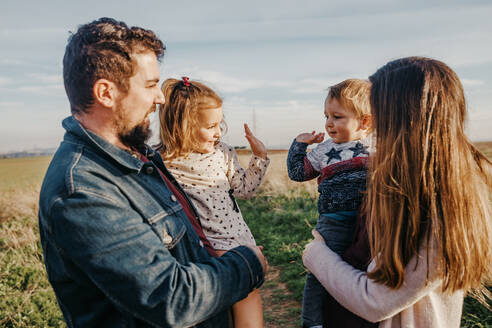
(471,83)
(41,89)
(274,58)
(11,104)
(31,33)
(275,122)
(11,62)
(47,78)
(227,83)
(341,23)
(40,84)
(478,125)
(321,85)
(5,81)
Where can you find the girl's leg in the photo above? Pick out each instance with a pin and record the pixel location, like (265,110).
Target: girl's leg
(248,313)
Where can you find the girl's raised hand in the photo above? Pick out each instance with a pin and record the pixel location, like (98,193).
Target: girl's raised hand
(310,138)
(257,147)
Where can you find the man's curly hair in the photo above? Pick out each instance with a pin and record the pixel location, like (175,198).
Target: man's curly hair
(103,49)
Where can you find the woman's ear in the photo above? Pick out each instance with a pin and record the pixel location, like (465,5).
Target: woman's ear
(366,122)
(105,93)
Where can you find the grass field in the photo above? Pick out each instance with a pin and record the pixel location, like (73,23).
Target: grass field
(281,218)
(26,298)
(22,173)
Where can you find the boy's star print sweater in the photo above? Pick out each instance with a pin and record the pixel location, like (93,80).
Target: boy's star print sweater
(341,170)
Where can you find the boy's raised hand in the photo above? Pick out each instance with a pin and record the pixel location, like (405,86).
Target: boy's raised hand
(311,138)
(257,147)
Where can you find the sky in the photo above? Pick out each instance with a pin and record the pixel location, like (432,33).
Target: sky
(271,61)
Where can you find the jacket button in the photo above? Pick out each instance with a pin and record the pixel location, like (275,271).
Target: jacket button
(149,169)
(173,198)
(167,239)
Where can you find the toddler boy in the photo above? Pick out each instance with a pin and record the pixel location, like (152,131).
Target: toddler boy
(340,163)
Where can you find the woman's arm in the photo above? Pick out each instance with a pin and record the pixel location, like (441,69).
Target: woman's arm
(361,295)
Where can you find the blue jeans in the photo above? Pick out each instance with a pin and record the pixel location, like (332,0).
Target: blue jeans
(337,229)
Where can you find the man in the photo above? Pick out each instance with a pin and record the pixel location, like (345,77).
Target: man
(119,236)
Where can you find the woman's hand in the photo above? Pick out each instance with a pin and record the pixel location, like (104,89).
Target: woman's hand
(310,138)
(257,147)
(317,238)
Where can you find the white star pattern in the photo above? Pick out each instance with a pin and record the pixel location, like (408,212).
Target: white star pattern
(328,152)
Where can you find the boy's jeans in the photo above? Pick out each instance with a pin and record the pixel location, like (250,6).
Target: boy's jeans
(337,229)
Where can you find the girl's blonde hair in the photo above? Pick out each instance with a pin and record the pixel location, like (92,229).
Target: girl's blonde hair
(179,115)
(428,182)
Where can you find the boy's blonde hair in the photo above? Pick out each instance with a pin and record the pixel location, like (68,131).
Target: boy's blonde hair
(353,95)
(179,115)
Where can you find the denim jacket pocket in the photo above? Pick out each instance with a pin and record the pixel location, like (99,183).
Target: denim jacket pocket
(168,225)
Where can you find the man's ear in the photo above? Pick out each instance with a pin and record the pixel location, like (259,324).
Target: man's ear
(366,122)
(105,92)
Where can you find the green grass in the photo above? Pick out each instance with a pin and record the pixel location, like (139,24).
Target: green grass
(283,226)
(21,173)
(475,314)
(26,297)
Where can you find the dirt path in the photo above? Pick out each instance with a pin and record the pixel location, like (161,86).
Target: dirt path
(280,310)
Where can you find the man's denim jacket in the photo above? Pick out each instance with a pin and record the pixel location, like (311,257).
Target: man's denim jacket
(120,251)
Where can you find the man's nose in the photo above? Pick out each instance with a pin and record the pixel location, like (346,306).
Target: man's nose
(159,99)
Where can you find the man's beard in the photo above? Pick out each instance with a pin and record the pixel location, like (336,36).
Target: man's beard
(136,137)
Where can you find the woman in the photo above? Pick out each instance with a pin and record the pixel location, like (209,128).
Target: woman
(427,205)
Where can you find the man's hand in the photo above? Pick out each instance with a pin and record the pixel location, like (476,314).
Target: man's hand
(311,138)
(261,257)
(257,147)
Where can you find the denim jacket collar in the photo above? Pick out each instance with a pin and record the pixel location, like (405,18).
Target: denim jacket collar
(77,133)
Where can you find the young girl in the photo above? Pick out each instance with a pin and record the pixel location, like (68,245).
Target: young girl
(210,173)
(428,206)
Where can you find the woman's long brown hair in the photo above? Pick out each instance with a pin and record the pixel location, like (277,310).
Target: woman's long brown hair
(427,182)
